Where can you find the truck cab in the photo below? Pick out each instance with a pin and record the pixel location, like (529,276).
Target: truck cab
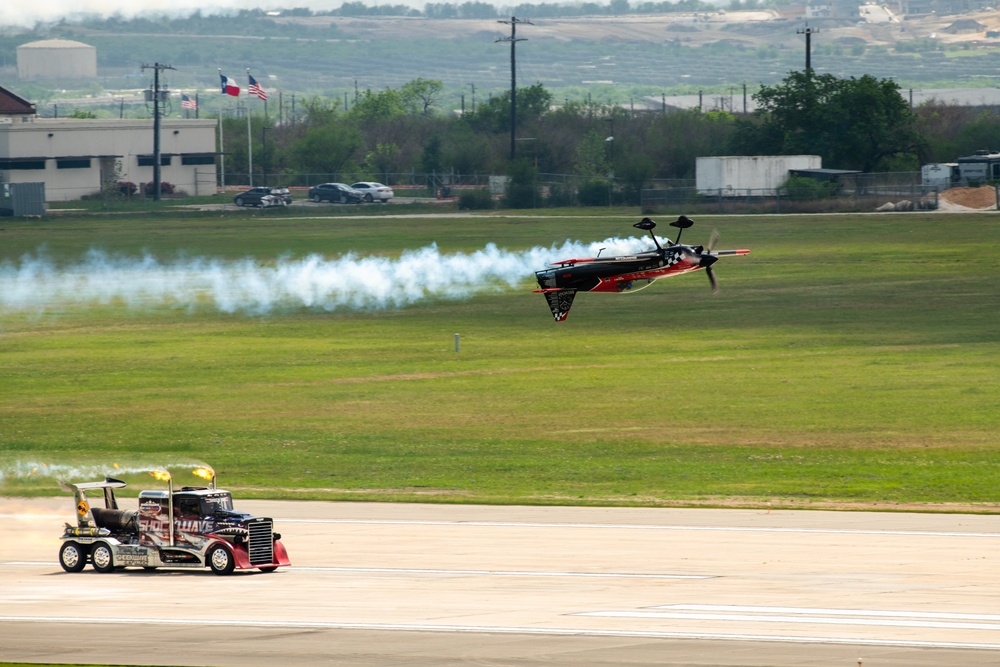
(194,527)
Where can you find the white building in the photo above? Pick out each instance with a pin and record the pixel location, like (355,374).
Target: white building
(75,157)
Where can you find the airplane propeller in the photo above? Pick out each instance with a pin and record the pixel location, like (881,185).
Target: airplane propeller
(713,240)
(708,260)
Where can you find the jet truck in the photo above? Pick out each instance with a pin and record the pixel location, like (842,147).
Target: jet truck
(194,527)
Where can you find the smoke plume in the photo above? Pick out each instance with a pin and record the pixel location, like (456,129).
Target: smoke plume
(251,287)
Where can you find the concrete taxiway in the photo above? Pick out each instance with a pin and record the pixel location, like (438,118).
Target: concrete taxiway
(390,584)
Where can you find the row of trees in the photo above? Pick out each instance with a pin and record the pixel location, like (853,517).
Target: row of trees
(200,22)
(856,123)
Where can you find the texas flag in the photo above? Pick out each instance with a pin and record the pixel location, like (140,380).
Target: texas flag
(229,86)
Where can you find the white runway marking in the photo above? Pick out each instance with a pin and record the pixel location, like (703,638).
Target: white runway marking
(506,573)
(814,616)
(488,573)
(832,612)
(612,526)
(489,629)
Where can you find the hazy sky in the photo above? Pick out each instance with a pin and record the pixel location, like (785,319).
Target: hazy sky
(26,14)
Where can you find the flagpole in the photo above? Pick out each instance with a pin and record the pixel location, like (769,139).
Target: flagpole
(222,149)
(249,140)
(249,149)
(222,138)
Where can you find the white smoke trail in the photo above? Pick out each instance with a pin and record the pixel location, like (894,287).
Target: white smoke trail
(22,470)
(251,287)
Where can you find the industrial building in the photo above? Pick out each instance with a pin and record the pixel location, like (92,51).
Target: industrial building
(77,157)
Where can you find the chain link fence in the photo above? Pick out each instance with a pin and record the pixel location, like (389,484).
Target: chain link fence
(895,191)
(898,191)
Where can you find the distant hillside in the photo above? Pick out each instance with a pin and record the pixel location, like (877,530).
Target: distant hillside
(608,59)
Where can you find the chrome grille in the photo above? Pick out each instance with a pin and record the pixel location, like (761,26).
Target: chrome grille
(260,546)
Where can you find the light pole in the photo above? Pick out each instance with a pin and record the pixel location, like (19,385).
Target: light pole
(611,140)
(611,174)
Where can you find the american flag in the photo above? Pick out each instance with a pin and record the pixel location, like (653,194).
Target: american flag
(188,103)
(255,88)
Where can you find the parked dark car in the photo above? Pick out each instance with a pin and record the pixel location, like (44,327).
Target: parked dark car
(334,192)
(263,197)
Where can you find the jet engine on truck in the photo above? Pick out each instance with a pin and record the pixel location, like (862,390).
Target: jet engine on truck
(194,527)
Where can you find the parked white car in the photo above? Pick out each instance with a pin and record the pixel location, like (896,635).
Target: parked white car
(370,191)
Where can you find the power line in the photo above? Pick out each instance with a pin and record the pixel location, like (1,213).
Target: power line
(156,67)
(808,32)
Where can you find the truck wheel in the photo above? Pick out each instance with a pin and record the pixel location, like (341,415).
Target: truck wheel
(72,557)
(221,560)
(102,558)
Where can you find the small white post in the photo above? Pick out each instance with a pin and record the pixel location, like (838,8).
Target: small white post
(458,345)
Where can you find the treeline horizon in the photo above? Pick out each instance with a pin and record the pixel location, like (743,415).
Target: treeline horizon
(471,9)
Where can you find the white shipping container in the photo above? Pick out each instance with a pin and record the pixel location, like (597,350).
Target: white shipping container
(753,175)
(939,175)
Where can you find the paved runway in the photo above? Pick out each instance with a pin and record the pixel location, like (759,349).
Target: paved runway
(388,584)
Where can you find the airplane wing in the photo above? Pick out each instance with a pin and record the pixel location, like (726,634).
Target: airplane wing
(560,301)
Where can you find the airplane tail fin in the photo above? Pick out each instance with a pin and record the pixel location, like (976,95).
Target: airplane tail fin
(560,301)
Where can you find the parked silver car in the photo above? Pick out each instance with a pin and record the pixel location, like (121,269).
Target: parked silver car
(370,191)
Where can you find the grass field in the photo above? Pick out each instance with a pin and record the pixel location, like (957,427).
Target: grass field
(848,361)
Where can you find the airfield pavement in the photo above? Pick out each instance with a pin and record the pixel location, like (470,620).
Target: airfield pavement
(419,584)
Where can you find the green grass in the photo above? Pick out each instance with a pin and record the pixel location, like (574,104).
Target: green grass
(848,359)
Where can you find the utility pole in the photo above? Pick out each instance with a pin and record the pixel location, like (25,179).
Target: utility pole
(513,77)
(808,32)
(156,67)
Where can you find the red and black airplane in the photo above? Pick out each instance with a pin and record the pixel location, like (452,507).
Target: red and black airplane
(628,273)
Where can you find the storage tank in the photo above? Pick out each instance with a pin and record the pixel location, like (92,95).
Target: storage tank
(56,59)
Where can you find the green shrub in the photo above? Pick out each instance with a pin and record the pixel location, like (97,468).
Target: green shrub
(594,192)
(473,200)
(805,188)
(560,195)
